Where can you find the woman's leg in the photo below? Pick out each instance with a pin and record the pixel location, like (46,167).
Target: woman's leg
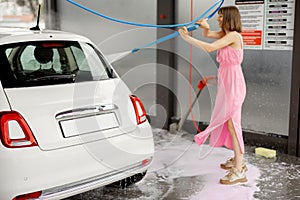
(238,155)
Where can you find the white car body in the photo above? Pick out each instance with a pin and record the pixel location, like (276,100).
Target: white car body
(84,134)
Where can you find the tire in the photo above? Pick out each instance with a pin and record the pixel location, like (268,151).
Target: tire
(128,181)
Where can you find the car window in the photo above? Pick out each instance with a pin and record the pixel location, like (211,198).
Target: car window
(27,60)
(92,60)
(7,52)
(80,58)
(54,62)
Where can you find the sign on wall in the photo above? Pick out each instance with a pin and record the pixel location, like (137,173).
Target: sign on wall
(267,24)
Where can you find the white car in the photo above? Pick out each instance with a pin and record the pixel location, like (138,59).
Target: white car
(68,122)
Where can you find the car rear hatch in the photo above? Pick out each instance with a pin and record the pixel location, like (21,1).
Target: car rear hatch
(63,115)
(66,93)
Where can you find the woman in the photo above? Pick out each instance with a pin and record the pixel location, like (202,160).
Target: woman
(225,124)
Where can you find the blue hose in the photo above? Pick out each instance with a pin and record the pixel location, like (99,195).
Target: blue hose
(165,38)
(149,25)
(191,26)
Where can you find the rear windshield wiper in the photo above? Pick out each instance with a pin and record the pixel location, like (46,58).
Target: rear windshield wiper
(62,77)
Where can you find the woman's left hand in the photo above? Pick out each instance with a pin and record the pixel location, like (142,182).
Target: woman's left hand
(183,32)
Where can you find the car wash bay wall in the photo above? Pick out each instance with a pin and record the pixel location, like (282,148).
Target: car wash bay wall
(267,65)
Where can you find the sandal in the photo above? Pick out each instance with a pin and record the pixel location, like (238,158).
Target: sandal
(230,164)
(234,176)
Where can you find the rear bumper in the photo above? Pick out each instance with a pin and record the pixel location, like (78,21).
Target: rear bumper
(95,182)
(69,171)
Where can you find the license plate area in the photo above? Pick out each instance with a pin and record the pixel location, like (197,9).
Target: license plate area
(88,124)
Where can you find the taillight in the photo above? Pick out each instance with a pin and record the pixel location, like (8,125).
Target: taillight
(28,196)
(139,109)
(14,131)
(146,161)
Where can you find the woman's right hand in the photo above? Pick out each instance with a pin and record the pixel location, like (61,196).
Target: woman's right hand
(183,32)
(203,23)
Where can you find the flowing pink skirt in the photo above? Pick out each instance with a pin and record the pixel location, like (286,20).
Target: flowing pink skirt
(228,105)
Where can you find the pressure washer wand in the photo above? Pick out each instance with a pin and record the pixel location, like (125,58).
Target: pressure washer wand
(165,38)
(201,84)
(186,114)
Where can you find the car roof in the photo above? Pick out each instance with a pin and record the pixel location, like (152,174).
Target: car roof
(15,35)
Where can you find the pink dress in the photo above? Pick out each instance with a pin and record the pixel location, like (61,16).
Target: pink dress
(230,97)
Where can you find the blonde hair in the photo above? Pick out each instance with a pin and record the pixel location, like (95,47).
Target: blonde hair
(231,19)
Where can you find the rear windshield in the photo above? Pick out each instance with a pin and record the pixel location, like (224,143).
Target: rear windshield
(48,63)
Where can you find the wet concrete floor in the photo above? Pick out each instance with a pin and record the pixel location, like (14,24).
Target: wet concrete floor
(183,170)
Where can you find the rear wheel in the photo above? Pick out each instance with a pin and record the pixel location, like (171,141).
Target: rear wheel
(128,181)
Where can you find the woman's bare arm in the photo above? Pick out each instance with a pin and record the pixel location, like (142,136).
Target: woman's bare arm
(226,40)
(207,32)
(212,34)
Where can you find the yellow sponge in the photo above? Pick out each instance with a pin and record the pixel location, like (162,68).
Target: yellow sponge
(268,153)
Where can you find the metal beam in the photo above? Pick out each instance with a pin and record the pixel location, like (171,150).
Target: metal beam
(165,64)
(294,129)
